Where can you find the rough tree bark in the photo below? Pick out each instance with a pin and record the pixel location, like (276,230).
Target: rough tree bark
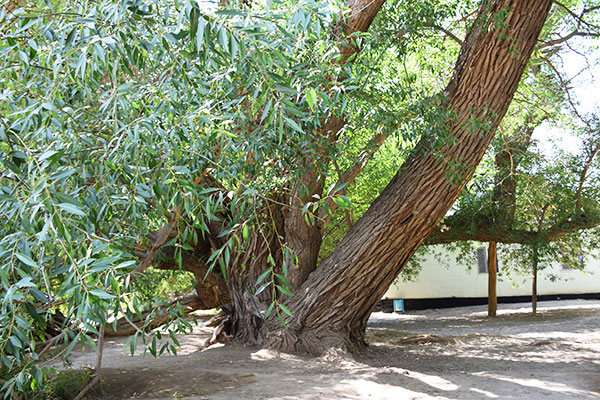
(332,307)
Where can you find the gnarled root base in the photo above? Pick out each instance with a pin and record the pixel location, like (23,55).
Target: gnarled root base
(316,342)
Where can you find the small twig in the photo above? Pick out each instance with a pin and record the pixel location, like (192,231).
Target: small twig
(578,18)
(446,32)
(340,177)
(564,85)
(49,343)
(98,366)
(354,170)
(541,220)
(590,9)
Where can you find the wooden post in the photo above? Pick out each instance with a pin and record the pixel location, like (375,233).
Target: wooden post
(492,279)
(534,280)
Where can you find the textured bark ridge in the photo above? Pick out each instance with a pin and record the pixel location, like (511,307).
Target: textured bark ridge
(332,307)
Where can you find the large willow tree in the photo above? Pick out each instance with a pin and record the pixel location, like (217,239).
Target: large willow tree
(146,133)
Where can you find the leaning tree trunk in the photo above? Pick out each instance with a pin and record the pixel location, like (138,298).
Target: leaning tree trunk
(332,307)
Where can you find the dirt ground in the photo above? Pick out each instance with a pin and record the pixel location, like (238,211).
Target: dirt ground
(455,353)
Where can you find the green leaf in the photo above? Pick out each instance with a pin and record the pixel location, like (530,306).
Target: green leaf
(101,294)
(291,123)
(26,260)
(31,310)
(133,344)
(72,209)
(269,309)
(285,310)
(262,277)
(311,98)
(343,202)
(261,288)
(63,174)
(283,280)
(15,342)
(26,282)
(284,290)
(47,154)
(200,32)
(266,110)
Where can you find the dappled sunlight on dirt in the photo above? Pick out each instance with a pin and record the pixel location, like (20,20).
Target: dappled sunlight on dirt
(433,354)
(539,384)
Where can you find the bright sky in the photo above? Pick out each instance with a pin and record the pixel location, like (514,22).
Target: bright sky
(585,91)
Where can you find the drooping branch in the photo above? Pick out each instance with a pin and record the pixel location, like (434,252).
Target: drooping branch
(479,229)
(158,238)
(211,287)
(152,320)
(100,348)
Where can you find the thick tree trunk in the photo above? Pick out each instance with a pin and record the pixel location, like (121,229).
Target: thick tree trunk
(332,307)
(492,279)
(507,161)
(302,239)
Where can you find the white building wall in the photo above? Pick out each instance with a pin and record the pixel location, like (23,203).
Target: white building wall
(454,280)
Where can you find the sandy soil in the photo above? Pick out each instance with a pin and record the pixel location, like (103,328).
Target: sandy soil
(454,353)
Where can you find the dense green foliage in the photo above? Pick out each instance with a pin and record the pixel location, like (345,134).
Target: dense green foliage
(111,114)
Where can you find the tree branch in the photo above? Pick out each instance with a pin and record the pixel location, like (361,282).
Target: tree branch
(578,18)
(564,85)
(483,231)
(161,238)
(565,38)
(446,32)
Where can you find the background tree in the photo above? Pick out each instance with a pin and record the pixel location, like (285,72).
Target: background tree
(531,200)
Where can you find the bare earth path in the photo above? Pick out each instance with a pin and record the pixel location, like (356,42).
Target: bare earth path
(455,353)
